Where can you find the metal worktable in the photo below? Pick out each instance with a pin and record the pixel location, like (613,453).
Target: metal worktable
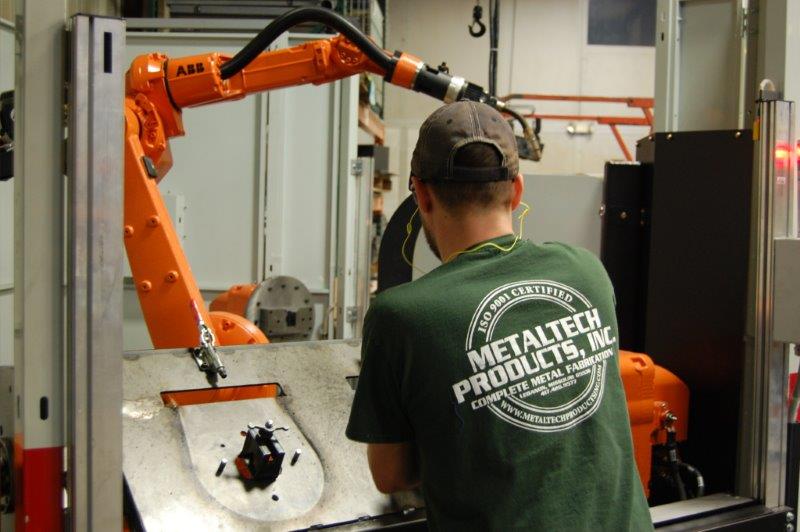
(171,454)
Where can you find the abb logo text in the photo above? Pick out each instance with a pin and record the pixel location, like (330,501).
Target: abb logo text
(192,68)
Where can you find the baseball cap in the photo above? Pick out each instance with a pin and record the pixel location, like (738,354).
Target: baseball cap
(454,126)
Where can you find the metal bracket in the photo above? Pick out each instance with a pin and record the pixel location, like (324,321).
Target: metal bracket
(351,314)
(767,91)
(149,167)
(743,33)
(357,167)
(206,355)
(208,361)
(749,21)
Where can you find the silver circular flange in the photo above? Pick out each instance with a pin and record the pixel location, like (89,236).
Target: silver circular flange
(282,308)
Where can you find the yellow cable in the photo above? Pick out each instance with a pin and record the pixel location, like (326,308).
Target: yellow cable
(409,230)
(517,238)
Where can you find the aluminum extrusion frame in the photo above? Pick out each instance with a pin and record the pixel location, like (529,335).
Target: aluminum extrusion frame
(38,265)
(94,323)
(762,455)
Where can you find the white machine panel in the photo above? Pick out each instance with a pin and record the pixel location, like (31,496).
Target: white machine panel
(786,327)
(705,52)
(564,208)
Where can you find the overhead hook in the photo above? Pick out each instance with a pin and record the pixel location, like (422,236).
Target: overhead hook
(477,14)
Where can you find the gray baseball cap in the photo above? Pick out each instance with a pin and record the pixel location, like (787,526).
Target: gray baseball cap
(455,125)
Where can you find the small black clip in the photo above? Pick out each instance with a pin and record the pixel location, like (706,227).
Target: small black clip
(149,167)
(477,14)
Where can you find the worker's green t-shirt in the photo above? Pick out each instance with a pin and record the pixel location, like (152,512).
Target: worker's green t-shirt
(502,368)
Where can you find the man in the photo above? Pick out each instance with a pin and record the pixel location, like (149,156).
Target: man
(493,381)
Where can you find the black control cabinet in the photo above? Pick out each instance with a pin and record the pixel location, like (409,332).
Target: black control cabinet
(625,237)
(679,267)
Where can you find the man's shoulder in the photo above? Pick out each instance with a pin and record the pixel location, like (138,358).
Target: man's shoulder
(575,266)
(397,300)
(563,255)
(568,250)
(408,303)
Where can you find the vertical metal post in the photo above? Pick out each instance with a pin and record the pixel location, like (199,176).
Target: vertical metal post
(39,265)
(95,262)
(277,170)
(762,456)
(667,65)
(363,252)
(344,294)
(331,320)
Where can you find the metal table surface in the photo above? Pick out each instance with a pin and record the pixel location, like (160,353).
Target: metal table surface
(171,454)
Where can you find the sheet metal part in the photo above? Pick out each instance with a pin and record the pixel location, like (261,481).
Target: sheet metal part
(171,456)
(213,432)
(683,510)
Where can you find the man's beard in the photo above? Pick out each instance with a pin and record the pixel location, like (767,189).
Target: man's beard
(431,241)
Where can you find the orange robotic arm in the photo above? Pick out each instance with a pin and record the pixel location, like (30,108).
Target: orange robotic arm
(161,87)
(157,89)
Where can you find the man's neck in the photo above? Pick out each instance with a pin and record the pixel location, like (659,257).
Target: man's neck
(458,234)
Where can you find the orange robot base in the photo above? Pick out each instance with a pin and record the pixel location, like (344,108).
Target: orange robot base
(651,392)
(235,299)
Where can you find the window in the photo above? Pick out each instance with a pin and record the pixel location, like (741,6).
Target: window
(622,22)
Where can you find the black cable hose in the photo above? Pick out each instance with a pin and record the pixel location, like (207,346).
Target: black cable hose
(531,136)
(297,16)
(494,37)
(698,477)
(676,476)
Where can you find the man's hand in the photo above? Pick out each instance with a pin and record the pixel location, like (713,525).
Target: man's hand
(394,466)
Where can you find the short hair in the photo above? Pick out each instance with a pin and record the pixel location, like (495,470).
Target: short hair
(458,196)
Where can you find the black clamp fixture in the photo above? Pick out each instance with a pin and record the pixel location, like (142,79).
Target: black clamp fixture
(477,28)
(261,458)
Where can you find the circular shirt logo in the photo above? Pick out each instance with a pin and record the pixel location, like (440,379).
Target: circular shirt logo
(543,376)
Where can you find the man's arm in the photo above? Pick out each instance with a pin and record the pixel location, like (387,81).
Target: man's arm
(394,466)
(378,416)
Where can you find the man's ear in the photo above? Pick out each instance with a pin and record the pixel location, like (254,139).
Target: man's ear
(519,187)
(424,195)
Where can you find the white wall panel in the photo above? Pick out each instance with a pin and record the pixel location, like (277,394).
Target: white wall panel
(709,65)
(307,184)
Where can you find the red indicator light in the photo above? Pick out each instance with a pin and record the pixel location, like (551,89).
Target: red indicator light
(782,155)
